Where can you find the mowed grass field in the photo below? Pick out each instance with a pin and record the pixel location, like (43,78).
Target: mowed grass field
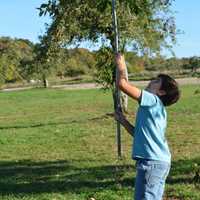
(60,145)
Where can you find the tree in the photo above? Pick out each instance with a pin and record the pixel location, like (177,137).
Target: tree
(145,26)
(12,52)
(191,63)
(194,63)
(79,61)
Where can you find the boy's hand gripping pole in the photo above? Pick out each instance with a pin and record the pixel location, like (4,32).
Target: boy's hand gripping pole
(117,92)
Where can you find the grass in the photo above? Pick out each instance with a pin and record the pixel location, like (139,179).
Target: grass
(60,145)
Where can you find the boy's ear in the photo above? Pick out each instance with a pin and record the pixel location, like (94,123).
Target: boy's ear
(161,92)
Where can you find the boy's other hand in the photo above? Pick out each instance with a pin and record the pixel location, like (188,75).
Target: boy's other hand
(119,116)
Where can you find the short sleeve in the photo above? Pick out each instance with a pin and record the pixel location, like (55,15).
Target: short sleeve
(147,99)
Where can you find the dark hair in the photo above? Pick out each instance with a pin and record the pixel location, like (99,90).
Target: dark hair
(170,86)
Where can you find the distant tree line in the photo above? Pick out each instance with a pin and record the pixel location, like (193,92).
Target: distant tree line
(18,62)
(13,53)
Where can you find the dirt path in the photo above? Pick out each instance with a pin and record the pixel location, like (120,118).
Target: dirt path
(182,81)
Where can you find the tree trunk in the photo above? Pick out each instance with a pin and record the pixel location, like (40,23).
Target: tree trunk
(124,97)
(45,82)
(194,69)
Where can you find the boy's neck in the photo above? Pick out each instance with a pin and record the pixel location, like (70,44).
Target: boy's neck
(151,91)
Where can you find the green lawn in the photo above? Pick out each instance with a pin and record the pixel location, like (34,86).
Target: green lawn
(60,144)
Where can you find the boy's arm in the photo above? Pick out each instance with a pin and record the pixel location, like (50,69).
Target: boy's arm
(129,127)
(125,123)
(123,84)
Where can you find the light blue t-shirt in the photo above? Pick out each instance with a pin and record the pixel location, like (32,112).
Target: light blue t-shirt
(150,126)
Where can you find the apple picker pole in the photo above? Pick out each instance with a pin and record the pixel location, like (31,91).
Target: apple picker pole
(117,92)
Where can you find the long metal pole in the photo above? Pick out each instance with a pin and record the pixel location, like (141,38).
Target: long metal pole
(117,92)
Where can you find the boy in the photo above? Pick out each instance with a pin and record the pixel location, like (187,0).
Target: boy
(150,148)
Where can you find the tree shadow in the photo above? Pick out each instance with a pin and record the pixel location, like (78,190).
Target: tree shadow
(182,171)
(28,177)
(40,124)
(62,176)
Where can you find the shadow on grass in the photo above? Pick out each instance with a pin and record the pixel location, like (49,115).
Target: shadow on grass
(28,177)
(105,116)
(182,171)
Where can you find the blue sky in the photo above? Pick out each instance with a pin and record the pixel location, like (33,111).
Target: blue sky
(19,18)
(187,19)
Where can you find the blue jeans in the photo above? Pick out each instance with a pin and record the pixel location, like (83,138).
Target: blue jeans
(150,179)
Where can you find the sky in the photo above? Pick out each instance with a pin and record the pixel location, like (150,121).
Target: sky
(20,19)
